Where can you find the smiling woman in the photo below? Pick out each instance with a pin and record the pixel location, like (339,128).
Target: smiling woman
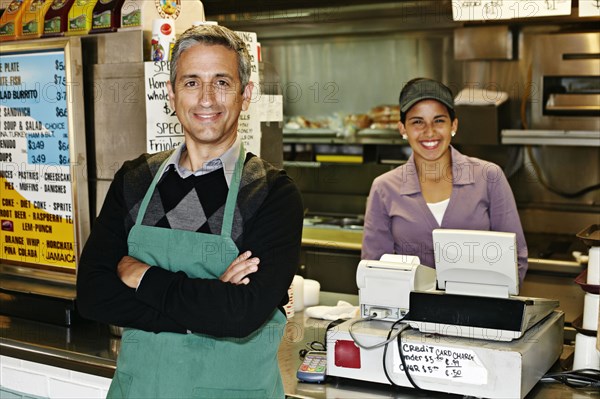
(437,187)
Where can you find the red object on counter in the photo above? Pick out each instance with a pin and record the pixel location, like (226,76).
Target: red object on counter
(347,354)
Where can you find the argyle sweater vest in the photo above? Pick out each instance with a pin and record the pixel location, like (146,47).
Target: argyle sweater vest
(201,203)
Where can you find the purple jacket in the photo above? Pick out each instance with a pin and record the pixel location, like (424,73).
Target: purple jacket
(399,221)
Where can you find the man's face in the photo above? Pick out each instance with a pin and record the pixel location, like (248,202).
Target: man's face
(207,95)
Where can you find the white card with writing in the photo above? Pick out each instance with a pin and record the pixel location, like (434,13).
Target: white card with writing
(441,362)
(163,129)
(589,8)
(494,10)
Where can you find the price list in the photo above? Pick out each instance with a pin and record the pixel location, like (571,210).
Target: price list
(35,173)
(446,363)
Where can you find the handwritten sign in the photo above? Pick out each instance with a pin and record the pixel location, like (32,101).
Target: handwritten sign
(37,202)
(492,10)
(445,363)
(589,8)
(249,122)
(163,129)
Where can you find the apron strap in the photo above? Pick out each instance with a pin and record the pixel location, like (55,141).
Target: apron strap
(234,188)
(148,196)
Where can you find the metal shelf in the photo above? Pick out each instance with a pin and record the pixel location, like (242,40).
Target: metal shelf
(329,136)
(582,138)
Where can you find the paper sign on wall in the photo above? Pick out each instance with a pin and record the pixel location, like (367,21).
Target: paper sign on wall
(589,8)
(493,10)
(249,123)
(163,129)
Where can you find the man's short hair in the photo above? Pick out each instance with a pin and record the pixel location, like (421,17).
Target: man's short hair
(213,35)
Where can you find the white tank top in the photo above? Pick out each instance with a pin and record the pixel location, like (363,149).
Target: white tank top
(438,209)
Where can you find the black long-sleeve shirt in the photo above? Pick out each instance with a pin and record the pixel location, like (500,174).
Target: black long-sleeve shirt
(270,206)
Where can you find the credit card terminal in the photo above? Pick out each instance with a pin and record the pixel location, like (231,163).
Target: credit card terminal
(313,367)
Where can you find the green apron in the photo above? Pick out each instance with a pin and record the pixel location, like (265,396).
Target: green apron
(169,365)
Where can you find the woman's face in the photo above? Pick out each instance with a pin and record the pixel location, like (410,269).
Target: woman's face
(428,129)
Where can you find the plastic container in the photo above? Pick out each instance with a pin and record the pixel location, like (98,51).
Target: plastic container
(80,17)
(106,16)
(10,22)
(131,14)
(163,39)
(32,22)
(56,19)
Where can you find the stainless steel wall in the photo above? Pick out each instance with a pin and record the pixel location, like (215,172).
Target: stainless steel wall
(352,74)
(368,53)
(348,64)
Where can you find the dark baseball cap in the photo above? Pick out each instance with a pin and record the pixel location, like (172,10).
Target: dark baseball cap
(425,89)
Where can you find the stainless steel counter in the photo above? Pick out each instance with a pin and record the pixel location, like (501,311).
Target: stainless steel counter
(89,347)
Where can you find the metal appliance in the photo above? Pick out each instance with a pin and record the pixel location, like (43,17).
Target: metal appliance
(479,286)
(566,83)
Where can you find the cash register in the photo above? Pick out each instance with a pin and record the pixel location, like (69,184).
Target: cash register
(479,286)
(468,336)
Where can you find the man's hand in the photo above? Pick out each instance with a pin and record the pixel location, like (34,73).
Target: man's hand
(131,271)
(240,268)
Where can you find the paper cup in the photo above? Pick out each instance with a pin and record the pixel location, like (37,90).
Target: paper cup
(586,355)
(591,308)
(298,288)
(593,269)
(311,292)
(289,307)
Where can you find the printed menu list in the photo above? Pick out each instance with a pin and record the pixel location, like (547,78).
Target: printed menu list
(37,203)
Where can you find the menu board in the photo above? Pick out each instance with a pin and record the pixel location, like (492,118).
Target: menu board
(163,129)
(35,167)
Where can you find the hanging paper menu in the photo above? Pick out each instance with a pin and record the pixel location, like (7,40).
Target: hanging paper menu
(589,8)
(249,121)
(494,10)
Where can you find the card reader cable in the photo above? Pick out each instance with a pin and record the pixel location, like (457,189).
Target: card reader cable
(394,333)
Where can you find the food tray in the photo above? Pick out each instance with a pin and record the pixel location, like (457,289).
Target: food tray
(590,235)
(582,281)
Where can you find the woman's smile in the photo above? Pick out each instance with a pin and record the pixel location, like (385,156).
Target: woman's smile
(430,144)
